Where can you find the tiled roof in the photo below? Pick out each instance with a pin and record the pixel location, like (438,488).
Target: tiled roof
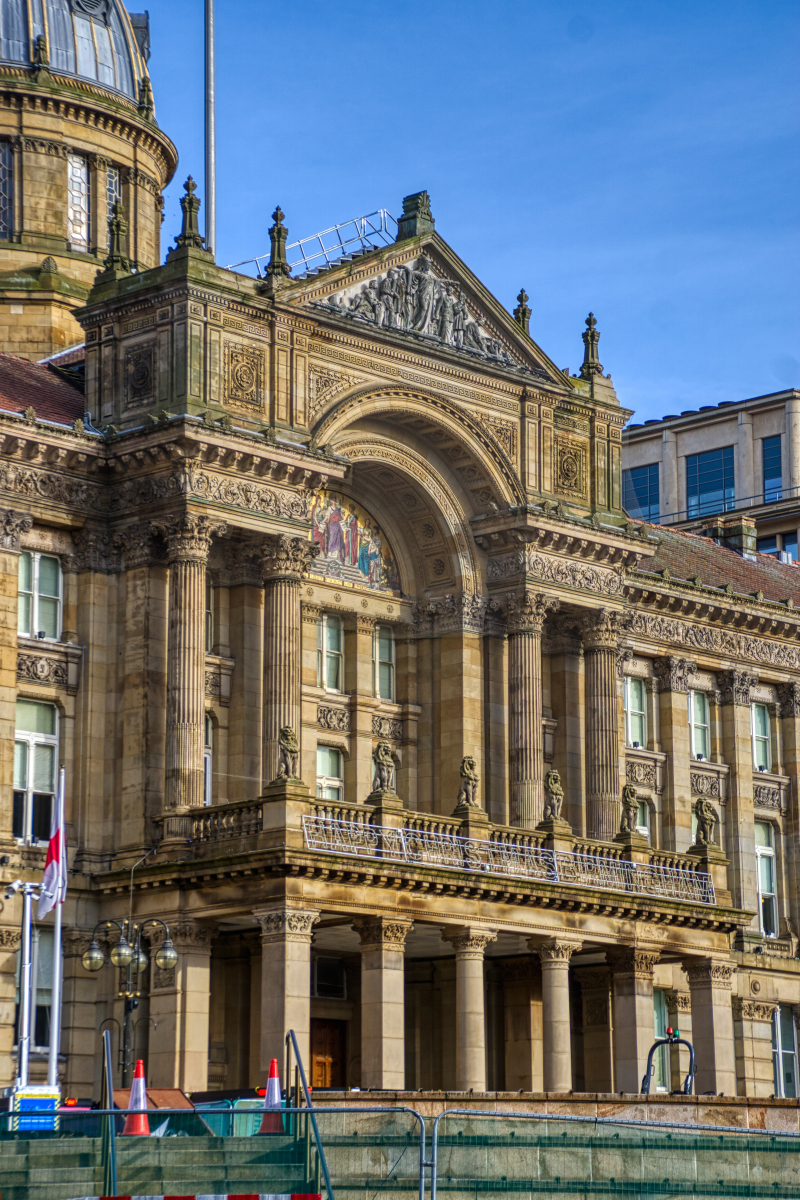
(24,384)
(686,555)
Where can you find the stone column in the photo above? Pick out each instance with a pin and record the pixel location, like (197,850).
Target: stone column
(522,988)
(246,616)
(556,1030)
(460,692)
(674,677)
(12,526)
(745,470)
(600,635)
(634,1016)
(789,700)
(79,1021)
(470,945)
(526,616)
(710,983)
(179,1005)
(188,541)
(735,686)
(10,938)
(568,699)
(598,1068)
(285,981)
(752,1033)
(382,1007)
(679,1011)
(252,940)
(283,561)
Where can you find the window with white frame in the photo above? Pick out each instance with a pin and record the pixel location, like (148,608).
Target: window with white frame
(78,202)
(661,1057)
(699,727)
(330,653)
(635,712)
(765,864)
(42,981)
(762,749)
(39,601)
(208,747)
(35,767)
(113,194)
(384,662)
(209,615)
(330,781)
(643,819)
(784,1052)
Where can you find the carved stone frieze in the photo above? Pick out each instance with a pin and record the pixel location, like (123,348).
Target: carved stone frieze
(752,1010)
(703,784)
(10,938)
(710,638)
(674,674)
(324,384)
(504,433)
(595,1011)
(138,373)
(337,719)
(50,668)
(387,727)
(244,375)
(766,796)
(735,686)
(551,569)
(641,773)
(570,463)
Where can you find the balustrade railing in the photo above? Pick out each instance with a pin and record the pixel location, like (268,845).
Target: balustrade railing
(219,822)
(447,851)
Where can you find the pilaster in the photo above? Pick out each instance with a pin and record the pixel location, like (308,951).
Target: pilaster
(522,993)
(286,934)
(382,1001)
(12,525)
(735,688)
(710,983)
(598,1063)
(179,1006)
(633,1014)
(752,1032)
(79,1021)
(10,938)
(679,1010)
(674,677)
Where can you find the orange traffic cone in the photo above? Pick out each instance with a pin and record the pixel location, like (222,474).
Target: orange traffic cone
(138,1122)
(272,1122)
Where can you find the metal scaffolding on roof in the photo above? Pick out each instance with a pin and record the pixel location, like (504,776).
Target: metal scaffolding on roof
(367,233)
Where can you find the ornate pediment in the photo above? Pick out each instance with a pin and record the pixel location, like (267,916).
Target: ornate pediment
(424,300)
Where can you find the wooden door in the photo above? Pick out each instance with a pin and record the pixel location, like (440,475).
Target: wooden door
(327,1053)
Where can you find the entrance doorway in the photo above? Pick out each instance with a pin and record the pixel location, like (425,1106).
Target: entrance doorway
(328,1041)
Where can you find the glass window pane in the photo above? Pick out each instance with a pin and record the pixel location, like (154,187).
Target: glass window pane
(334,634)
(49,576)
(767,545)
(332,793)
(33,717)
(761,720)
(700,708)
(710,485)
(761,754)
(78,200)
(48,617)
(637,694)
(333,672)
(385,681)
(43,768)
(40,825)
(21,765)
(763,833)
(385,644)
(6,190)
(24,613)
(25,572)
(18,818)
(787,1027)
(637,725)
(768,916)
(643,815)
(790,1076)
(771,458)
(44,974)
(790,545)
(701,740)
(766,874)
(640,492)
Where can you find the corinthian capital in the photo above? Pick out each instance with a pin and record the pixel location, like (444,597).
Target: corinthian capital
(189,537)
(469,942)
(555,953)
(735,686)
(287,558)
(528,611)
(12,525)
(602,630)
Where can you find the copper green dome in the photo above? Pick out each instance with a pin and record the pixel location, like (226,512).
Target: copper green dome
(94,40)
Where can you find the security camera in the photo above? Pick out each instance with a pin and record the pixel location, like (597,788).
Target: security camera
(13,888)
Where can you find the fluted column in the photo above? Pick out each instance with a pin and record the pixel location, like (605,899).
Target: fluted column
(283,562)
(600,633)
(526,617)
(470,946)
(188,541)
(556,1030)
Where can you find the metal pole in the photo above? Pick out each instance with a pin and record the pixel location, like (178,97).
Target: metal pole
(58,966)
(25,990)
(211,133)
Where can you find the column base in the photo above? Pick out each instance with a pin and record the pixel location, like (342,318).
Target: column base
(176,829)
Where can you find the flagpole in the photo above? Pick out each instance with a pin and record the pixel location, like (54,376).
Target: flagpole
(211,133)
(55,999)
(25,990)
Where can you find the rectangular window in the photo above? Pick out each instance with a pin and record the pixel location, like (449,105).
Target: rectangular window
(773,475)
(784,1052)
(640,492)
(661,1060)
(635,712)
(710,484)
(209,615)
(78,201)
(113,194)
(330,653)
(35,768)
(765,867)
(208,745)
(779,545)
(383,661)
(643,819)
(789,541)
(762,750)
(768,545)
(699,724)
(39,599)
(6,190)
(330,784)
(42,979)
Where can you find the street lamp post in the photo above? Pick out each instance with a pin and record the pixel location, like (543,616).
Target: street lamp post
(128,956)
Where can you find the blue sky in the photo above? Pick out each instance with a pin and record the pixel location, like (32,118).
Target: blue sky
(636,158)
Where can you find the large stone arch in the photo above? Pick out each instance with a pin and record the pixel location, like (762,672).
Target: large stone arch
(488,473)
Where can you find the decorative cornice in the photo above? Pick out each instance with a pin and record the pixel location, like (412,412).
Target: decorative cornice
(382,933)
(706,637)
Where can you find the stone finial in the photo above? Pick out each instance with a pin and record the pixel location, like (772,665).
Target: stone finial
(416,218)
(630,809)
(146,106)
(468,792)
(190,235)
(278,268)
(522,314)
(591,363)
(49,266)
(553,796)
(706,820)
(117,262)
(384,768)
(288,753)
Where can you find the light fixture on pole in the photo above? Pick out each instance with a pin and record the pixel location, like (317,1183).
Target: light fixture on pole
(211,133)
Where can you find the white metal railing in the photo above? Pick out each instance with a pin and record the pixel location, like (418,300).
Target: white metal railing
(377,228)
(451,852)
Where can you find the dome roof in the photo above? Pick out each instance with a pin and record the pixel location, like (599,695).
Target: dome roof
(89,39)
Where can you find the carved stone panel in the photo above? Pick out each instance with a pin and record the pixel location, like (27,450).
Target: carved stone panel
(571,462)
(244,375)
(387,727)
(139,373)
(337,719)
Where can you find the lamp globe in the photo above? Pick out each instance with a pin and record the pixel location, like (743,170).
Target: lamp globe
(93,957)
(166,955)
(122,953)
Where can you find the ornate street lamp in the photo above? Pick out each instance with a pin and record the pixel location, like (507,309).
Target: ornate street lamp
(129,956)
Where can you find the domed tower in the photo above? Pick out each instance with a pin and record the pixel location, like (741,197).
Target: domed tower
(77,133)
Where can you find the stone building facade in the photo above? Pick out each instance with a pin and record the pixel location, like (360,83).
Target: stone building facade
(364,682)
